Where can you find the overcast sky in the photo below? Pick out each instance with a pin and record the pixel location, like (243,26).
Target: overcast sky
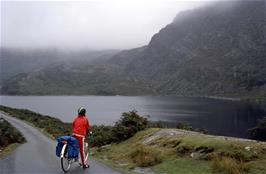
(101,24)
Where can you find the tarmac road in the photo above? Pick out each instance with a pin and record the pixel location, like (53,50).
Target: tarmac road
(37,155)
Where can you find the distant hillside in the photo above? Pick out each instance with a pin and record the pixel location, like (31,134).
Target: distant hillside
(214,50)
(15,61)
(40,71)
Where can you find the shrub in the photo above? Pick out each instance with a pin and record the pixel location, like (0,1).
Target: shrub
(145,156)
(184,125)
(102,135)
(259,132)
(240,155)
(9,134)
(129,124)
(124,128)
(158,124)
(133,120)
(221,164)
(187,126)
(53,126)
(121,132)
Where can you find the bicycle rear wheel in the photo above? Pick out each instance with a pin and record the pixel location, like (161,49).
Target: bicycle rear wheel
(65,161)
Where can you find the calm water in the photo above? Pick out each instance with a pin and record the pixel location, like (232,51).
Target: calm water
(219,117)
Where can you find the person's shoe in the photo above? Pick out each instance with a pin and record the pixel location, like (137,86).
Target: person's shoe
(86,166)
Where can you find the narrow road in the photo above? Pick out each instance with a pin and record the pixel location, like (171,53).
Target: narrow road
(37,155)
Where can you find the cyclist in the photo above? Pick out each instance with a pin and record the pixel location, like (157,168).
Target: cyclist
(80,127)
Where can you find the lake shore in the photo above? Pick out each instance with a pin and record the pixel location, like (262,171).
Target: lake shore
(224,98)
(167,150)
(200,112)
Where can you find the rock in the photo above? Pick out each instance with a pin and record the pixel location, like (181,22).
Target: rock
(247,148)
(143,170)
(122,163)
(105,158)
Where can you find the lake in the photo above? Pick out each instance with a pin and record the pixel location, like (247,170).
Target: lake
(219,117)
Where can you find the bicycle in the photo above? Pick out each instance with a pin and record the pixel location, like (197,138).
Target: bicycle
(66,160)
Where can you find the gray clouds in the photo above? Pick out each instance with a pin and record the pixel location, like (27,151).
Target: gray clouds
(118,24)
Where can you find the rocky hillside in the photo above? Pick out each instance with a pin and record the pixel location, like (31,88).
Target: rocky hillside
(214,50)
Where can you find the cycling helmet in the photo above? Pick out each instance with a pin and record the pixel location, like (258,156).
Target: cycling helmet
(81,111)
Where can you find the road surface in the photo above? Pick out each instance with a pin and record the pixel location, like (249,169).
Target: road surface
(37,155)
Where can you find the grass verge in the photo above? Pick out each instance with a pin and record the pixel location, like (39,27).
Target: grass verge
(10,138)
(52,127)
(184,153)
(7,150)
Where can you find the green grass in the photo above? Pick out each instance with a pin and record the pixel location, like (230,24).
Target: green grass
(258,167)
(7,150)
(181,166)
(42,130)
(10,138)
(50,126)
(118,154)
(174,153)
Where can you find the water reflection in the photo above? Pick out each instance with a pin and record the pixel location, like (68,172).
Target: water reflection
(219,117)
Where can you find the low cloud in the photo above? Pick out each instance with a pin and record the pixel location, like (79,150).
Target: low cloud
(86,24)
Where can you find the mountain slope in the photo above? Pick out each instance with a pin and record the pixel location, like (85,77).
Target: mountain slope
(15,61)
(214,50)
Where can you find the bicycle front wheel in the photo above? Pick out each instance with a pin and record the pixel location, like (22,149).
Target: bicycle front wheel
(65,161)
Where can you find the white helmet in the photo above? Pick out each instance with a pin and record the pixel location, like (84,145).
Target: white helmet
(81,111)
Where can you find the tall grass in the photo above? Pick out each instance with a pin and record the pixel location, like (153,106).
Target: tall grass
(228,165)
(145,156)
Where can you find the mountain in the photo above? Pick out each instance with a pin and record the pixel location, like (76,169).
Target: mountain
(18,63)
(217,50)
(15,61)
(214,50)
(60,73)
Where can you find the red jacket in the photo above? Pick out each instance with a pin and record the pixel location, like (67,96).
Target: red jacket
(80,126)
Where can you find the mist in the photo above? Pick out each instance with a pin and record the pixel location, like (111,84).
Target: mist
(93,25)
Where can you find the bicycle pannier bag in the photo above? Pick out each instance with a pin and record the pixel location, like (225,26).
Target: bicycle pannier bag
(73,146)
